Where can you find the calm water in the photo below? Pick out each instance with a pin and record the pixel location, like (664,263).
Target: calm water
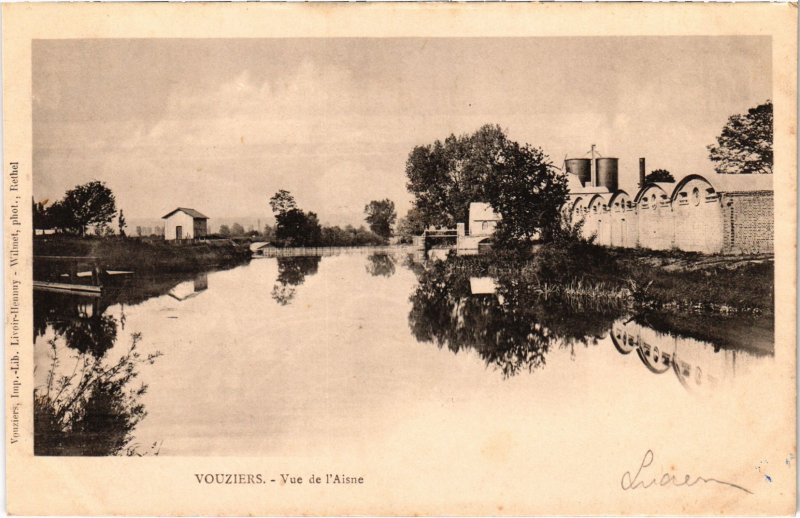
(359,352)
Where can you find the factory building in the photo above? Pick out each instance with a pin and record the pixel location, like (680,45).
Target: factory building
(731,214)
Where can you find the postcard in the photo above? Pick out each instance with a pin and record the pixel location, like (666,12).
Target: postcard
(400,259)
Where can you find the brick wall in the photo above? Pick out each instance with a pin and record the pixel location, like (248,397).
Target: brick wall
(748,222)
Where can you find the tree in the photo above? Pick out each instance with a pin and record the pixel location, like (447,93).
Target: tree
(90,204)
(224,230)
(442,186)
(121,223)
(381,215)
(237,230)
(518,181)
(62,219)
(41,218)
(282,202)
(745,144)
(411,225)
(659,175)
(293,227)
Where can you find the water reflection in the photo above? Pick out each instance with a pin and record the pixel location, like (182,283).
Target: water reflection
(189,289)
(513,325)
(381,264)
(506,321)
(78,320)
(92,406)
(695,362)
(87,401)
(488,316)
(292,272)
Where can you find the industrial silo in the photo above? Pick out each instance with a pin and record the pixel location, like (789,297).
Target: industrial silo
(581,167)
(607,173)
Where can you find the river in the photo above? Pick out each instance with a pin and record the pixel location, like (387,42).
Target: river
(362,351)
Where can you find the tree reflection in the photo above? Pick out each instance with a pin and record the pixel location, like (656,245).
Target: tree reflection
(381,265)
(292,271)
(512,329)
(79,320)
(93,410)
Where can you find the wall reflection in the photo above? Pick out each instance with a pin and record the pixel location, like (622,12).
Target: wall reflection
(696,363)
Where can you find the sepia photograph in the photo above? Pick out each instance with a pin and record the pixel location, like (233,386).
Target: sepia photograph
(483,255)
(198,203)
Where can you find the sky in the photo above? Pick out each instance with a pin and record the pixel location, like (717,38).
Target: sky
(220,125)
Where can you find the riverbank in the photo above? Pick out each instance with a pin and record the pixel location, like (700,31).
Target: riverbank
(641,279)
(145,256)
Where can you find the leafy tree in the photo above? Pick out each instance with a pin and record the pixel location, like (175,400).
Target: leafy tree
(90,204)
(441,181)
(282,202)
(294,227)
(381,215)
(745,144)
(121,223)
(528,193)
(349,236)
(659,175)
(411,225)
(237,230)
(225,230)
(61,218)
(518,181)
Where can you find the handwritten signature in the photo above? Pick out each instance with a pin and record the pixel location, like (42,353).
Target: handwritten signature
(630,482)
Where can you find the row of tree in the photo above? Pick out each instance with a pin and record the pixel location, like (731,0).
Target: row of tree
(296,227)
(88,205)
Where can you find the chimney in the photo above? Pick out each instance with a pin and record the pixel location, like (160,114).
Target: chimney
(641,172)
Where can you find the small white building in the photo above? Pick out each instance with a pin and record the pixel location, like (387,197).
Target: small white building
(482,219)
(183,223)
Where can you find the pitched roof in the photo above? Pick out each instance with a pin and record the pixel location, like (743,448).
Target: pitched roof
(193,213)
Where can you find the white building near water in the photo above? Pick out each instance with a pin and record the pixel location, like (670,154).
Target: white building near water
(183,223)
(482,219)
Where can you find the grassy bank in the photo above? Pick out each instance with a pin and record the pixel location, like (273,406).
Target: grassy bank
(145,256)
(641,279)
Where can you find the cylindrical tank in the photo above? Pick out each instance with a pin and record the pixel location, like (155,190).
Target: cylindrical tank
(581,167)
(607,173)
